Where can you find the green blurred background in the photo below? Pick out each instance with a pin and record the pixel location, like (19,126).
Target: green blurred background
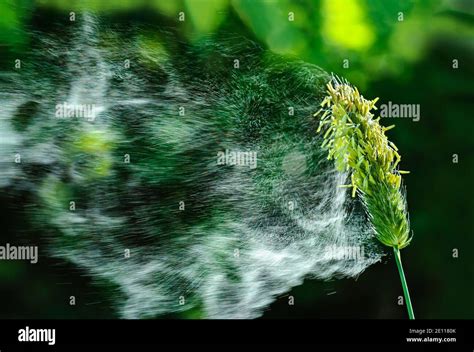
(407,52)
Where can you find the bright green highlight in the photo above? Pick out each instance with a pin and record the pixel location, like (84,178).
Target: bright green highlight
(345,24)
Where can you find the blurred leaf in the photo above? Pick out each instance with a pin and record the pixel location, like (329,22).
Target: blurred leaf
(12,16)
(168,7)
(270,22)
(206,15)
(92,5)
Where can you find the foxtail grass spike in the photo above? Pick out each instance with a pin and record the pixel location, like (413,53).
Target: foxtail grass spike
(358,145)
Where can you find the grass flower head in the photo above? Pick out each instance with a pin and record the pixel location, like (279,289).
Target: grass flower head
(357,143)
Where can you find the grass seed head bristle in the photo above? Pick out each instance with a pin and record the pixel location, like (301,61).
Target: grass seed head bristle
(358,145)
